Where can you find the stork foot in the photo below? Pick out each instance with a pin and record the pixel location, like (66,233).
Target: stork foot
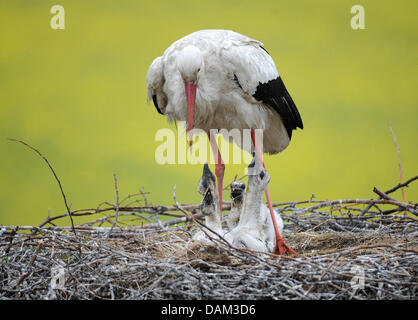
(282,248)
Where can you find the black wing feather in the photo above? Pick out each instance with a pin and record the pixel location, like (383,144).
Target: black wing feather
(275,94)
(154,99)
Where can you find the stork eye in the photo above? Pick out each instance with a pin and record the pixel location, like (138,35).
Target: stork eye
(198,70)
(262,175)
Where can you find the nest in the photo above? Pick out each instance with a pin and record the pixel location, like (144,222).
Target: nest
(344,252)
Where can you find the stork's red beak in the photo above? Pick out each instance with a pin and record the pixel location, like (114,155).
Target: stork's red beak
(191,100)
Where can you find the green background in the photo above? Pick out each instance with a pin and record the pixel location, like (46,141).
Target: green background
(79,95)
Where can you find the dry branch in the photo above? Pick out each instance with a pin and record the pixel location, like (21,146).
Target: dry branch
(399,161)
(55,175)
(117,206)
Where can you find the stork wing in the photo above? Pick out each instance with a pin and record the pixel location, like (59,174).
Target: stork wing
(256,74)
(155,82)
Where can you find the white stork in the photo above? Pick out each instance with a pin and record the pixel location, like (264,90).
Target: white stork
(220,79)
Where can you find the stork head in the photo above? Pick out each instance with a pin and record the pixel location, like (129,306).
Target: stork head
(237,190)
(207,181)
(189,62)
(258,177)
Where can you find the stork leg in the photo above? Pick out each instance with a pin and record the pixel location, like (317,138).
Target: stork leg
(219,168)
(281,246)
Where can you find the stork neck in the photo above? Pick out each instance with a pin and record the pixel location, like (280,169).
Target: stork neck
(234,214)
(251,211)
(213,221)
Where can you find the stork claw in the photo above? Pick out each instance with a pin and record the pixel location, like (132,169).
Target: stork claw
(282,248)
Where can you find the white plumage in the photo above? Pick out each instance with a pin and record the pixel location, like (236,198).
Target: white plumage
(228,68)
(220,79)
(249,222)
(255,229)
(209,206)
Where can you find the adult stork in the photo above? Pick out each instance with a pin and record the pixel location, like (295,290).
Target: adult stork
(220,79)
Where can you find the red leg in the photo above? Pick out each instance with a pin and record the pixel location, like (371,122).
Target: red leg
(281,246)
(219,167)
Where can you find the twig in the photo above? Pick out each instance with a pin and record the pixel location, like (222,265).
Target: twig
(143,195)
(399,161)
(324,273)
(117,206)
(55,175)
(409,207)
(401,185)
(24,275)
(382,194)
(10,238)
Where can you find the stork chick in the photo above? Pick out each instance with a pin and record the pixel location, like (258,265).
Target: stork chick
(209,205)
(237,197)
(255,229)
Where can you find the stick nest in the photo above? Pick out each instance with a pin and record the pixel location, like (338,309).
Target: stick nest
(344,253)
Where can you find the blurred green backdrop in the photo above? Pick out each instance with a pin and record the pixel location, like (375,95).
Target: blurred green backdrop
(79,95)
